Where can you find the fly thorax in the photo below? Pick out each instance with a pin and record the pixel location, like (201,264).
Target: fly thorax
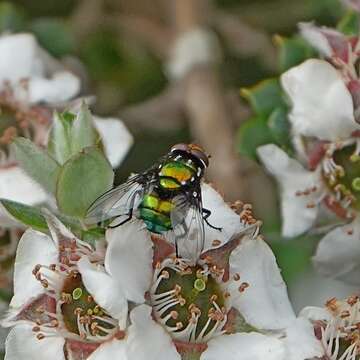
(341,174)
(76,315)
(191,302)
(177,173)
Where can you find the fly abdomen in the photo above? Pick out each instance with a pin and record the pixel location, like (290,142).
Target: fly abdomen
(155,212)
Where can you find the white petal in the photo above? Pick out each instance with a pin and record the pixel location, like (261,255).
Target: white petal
(34,248)
(315,313)
(62,86)
(22,344)
(264,304)
(104,289)
(17,186)
(338,253)
(116,138)
(321,104)
(18,57)
(297,216)
(241,346)
(129,259)
(301,342)
(221,216)
(114,349)
(147,340)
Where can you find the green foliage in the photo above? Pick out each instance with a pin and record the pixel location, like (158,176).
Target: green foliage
(83,178)
(270,124)
(27,215)
(54,35)
(72,133)
(12,17)
(253,133)
(292,51)
(264,96)
(37,163)
(349,24)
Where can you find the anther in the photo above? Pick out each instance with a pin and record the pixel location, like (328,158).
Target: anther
(40,336)
(243,286)
(236,277)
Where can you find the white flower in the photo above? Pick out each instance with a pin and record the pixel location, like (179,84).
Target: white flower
(32,74)
(322,106)
(197,308)
(54,308)
(337,327)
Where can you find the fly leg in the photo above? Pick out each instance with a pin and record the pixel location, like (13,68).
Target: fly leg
(206,214)
(179,236)
(129,217)
(130,212)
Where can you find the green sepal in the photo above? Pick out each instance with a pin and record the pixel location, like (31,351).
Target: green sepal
(279,127)
(83,132)
(27,215)
(72,133)
(264,96)
(82,179)
(252,134)
(349,24)
(292,51)
(37,163)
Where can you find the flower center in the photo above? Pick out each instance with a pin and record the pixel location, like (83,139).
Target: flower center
(189,301)
(341,172)
(81,314)
(77,316)
(341,335)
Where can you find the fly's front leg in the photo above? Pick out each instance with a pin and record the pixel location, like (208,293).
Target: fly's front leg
(206,214)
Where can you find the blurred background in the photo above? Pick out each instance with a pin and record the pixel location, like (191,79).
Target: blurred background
(121,49)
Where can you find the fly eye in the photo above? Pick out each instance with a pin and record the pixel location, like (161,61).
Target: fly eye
(201,156)
(180,147)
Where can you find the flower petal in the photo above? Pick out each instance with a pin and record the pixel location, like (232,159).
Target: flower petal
(241,346)
(34,248)
(116,138)
(221,216)
(301,342)
(18,58)
(114,349)
(62,86)
(297,215)
(315,313)
(322,106)
(109,295)
(338,253)
(22,344)
(129,259)
(147,340)
(264,304)
(16,185)
(327,41)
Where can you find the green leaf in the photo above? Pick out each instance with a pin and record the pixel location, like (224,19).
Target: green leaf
(27,215)
(264,96)
(83,178)
(54,35)
(37,163)
(12,18)
(279,127)
(83,133)
(349,24)
(292,51)
(59,144)
(252,134)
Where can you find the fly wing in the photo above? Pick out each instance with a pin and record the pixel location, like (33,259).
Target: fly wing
(119,200)
(188,232)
